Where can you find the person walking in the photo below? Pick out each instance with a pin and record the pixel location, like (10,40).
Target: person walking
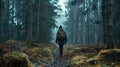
(61,39)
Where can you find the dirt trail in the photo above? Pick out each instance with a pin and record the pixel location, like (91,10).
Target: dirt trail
(58,61)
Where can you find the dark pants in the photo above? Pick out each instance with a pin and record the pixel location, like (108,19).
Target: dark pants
(61,49)
(61,44)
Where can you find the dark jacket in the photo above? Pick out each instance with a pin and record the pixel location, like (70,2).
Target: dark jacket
(59,40)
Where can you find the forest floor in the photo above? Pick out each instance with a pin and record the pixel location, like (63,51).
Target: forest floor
(47,55)
(58,61)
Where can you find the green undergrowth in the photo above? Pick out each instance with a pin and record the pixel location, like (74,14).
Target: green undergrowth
(92,56)
(13,50)
(16,58)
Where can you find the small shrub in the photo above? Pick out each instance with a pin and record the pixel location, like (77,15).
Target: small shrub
(9,42)
(16,59)
(29,41)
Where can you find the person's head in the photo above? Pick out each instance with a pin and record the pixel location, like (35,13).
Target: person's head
(60,27)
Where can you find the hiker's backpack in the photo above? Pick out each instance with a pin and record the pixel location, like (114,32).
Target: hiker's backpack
(61,34)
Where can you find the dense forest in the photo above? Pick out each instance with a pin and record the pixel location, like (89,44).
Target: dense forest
(88,21)
(28,31)
(94,22)
(26,19)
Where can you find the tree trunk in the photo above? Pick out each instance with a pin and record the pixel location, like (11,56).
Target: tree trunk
(108,24)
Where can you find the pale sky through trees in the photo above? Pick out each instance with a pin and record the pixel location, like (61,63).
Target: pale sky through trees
(60,20)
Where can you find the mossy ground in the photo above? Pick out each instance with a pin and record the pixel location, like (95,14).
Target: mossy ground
(78,56)
(16,58)
(40,53)
(92,56)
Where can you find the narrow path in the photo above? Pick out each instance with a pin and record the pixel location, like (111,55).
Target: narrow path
(58,61)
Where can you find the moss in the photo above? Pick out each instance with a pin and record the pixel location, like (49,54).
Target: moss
(105,57)
(91,56)
(78,58)
(111,55)
(16,57)
(10,42)
(41,52)
(48,50)
(77,50)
